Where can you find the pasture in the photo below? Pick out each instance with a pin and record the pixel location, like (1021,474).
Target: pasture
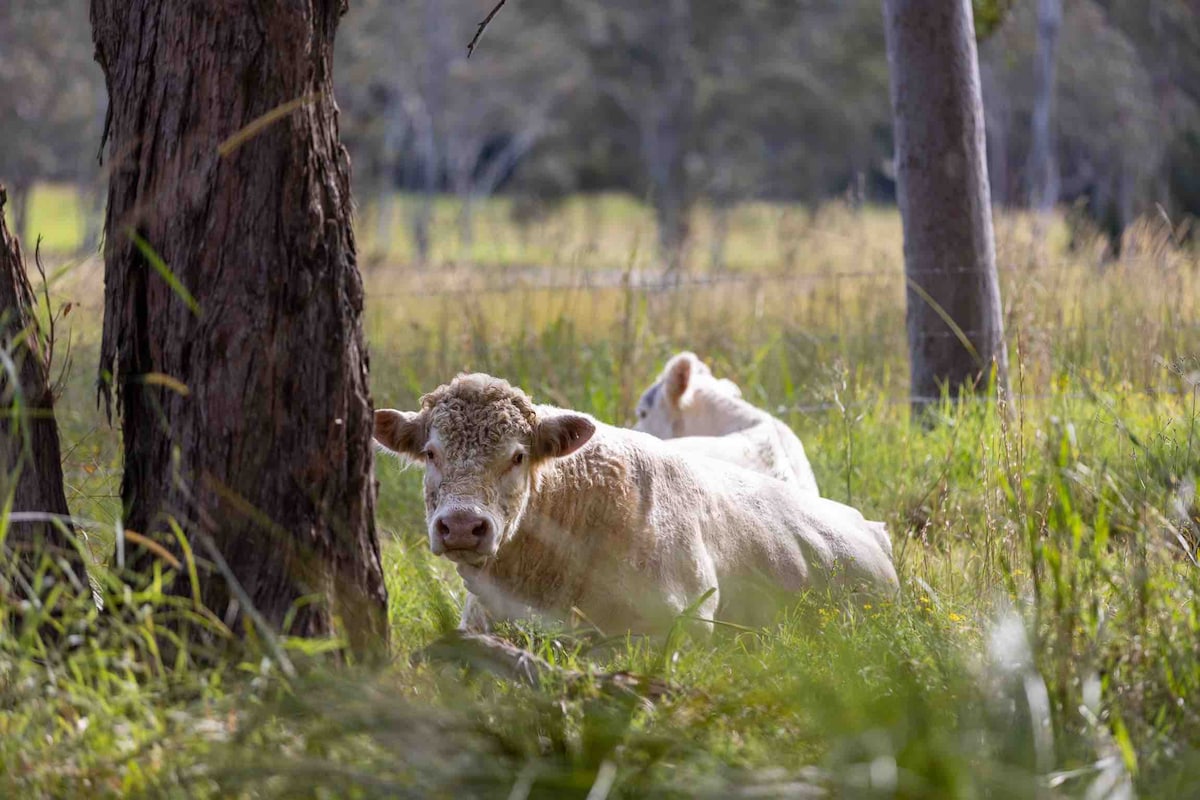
(1046,641)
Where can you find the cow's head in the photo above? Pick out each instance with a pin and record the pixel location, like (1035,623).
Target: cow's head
(481,442)
(679,402)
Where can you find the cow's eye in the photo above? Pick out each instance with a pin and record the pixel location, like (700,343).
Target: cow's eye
(518,459)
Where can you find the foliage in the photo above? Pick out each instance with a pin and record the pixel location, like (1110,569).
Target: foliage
(990,15)
(1044,641)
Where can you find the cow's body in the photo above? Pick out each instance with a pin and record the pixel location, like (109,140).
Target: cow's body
(698,413)
(631,533)
(624,528)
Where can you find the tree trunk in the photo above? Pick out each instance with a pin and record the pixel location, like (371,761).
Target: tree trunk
(667,133)
(1043,169)
(949,251)
(390,159)
(30,454)
(233,306)
(996,118)
(721,209)
(21,190)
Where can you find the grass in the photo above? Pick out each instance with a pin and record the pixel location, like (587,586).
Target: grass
(1046,643)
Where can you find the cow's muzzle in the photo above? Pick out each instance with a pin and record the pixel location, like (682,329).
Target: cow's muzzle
(463,535)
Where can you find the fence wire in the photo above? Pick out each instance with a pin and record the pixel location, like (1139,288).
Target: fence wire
(538,280)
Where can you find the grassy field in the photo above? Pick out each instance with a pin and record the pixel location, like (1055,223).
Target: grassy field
(1046,643)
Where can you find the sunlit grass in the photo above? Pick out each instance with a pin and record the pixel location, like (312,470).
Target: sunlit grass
(55,215)
(1045,641)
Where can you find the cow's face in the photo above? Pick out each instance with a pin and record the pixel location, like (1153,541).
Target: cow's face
(664,408)
(481,442)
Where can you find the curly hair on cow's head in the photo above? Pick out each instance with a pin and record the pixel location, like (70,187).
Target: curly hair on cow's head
(479,387)
(491,405)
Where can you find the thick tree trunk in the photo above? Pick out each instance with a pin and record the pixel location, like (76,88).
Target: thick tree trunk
(30,454)
(949,250)
(244,404)
(1043,169)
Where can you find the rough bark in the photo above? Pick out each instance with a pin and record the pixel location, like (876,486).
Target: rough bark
(1043,170)
(30,453)
(246,413)
(949,249)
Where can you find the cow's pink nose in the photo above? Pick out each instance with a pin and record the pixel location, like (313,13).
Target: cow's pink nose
(462,529)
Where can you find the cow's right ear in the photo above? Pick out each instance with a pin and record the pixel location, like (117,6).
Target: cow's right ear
(677,378)
(561,435)
(402,432)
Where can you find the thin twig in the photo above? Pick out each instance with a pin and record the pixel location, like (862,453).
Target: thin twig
(483,26)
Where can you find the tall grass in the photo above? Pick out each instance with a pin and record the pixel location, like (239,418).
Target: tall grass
(1046,642)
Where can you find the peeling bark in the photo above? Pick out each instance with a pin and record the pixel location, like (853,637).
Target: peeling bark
(246,413)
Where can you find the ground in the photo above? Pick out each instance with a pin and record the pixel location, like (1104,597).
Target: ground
(1046,640)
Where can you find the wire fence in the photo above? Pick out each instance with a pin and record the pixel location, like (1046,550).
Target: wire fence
(1171,320)
(517,280)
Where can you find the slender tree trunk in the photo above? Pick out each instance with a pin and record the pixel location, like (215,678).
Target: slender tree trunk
(439,52)
(668,132)
(466,222)
(949,250)
(30,454)
(21,189)
(996,117)
(390,158)
(1043,169)
(233,306)
(422,215)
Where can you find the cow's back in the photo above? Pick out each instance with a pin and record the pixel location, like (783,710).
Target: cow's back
(763,528)
(631,530)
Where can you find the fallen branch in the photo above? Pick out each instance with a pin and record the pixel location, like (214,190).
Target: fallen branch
(501,658)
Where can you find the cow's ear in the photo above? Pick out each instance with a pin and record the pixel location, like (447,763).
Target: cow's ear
(678,377)
(561,435)
(402,432)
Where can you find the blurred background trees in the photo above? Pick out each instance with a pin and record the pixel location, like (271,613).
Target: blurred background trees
(1090,104)
(51,102)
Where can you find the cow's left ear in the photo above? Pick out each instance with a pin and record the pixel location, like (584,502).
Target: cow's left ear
(561,435)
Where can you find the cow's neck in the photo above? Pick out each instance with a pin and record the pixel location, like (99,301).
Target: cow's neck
(714,414)
(569,530)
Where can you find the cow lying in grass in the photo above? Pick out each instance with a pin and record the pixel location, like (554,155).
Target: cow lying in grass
(546,510)
(703,414)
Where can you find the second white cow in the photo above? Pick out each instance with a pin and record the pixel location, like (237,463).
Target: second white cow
(700,413)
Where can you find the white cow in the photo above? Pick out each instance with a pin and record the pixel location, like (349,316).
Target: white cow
(546,510)
(703,414)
